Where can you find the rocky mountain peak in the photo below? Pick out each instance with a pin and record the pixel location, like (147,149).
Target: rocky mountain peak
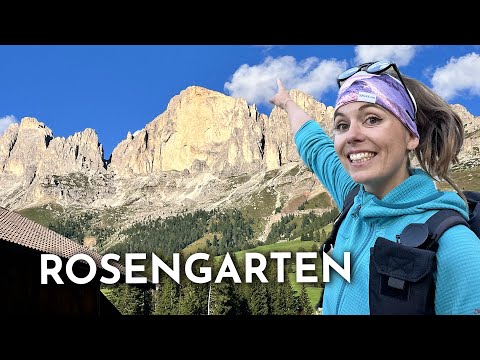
(201,130)
(470,122)
(195,147)
(32,123)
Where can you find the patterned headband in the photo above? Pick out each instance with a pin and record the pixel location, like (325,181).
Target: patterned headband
(383,90)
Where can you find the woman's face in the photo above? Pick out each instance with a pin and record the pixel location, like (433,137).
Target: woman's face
(373,146)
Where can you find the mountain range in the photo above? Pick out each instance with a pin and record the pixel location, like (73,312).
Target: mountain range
(206,150)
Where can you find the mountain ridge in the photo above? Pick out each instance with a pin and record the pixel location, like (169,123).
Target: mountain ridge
(206,150)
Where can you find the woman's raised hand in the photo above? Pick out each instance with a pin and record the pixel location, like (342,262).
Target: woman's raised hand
(281,97)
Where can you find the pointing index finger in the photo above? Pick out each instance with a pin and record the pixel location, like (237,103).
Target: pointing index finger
(280,84)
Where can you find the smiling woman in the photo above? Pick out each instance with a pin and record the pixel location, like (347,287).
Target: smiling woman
(373,146)
(381,117)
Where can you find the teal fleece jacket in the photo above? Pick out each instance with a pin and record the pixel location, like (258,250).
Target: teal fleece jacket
(457,277)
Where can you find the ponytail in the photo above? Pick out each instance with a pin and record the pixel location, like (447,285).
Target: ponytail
(441,133)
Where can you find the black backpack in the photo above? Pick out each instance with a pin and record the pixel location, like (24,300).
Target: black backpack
(401,273)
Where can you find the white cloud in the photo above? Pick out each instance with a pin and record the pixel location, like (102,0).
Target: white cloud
(257,83)
(399,54)
(266,48)
(5,122)
(462,74)
(136,133)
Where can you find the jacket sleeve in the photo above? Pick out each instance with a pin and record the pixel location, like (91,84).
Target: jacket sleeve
(458,272)
(317,152)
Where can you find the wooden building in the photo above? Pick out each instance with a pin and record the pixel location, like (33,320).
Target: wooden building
(22,241)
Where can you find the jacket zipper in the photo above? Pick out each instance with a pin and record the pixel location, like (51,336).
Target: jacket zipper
(366,242)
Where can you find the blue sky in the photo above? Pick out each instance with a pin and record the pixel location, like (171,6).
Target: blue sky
(119,88)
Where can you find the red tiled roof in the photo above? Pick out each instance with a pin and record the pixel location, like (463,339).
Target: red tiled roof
(17,229)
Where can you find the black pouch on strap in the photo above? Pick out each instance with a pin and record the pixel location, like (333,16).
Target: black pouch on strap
(401,279)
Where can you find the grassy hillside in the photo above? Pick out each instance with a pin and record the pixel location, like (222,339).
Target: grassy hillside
(43,215)
(288,246)
(199,244)
(320,201)
(468,179)
(313,292)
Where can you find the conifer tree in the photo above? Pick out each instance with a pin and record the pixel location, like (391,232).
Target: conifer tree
(221,299)
(279,305)
(133,300)
(147,295)
(224,299)
(259,301)
(304,307)
(189,302)
(272,286)
(167,295)
(323,236)
(130,300)
(290,300)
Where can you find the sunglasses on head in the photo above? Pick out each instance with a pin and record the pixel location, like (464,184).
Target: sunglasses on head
(376,68)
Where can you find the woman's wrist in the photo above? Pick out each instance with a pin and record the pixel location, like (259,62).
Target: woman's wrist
(285,104)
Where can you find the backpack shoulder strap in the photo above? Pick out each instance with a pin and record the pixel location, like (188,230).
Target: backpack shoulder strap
(443,220)
(473,198)
(350,198)
(426,235)
(330,242)
(347,204)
